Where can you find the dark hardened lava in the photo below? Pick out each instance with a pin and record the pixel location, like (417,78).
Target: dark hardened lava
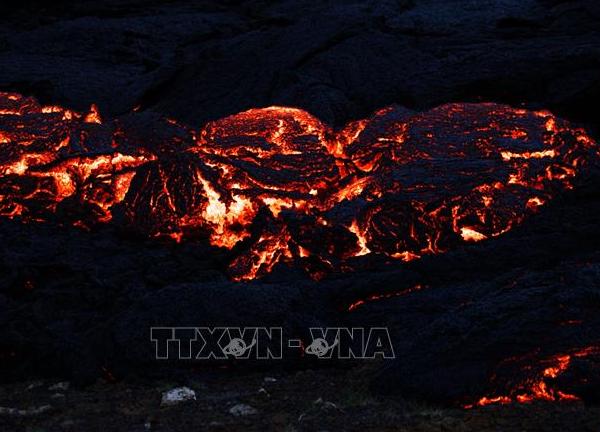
(270,191)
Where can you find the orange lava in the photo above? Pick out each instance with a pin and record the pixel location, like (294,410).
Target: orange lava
(376,297)
(540,386)
(276,185)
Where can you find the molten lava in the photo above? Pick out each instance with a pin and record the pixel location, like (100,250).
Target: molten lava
(541,384)
(276,185)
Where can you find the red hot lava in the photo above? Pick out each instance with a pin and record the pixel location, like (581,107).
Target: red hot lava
(539,386)
(276,185)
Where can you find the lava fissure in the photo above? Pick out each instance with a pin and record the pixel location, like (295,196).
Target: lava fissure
(276,185)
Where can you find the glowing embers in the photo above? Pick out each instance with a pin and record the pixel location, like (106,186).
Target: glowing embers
(543,382)
(275,185)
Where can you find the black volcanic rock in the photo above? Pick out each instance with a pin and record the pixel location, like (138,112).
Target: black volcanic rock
(338,60)
(76,303)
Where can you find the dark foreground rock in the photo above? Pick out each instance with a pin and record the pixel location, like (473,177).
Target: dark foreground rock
(80,305)
(301,401)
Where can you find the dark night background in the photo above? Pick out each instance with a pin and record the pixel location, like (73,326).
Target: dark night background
(97,293)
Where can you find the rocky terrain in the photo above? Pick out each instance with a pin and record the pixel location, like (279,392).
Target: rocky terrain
(339,60)
(300,401)
(77,305)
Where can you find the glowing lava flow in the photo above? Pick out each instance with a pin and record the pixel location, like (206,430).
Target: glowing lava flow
(539,387)
(276,185)
(376,297)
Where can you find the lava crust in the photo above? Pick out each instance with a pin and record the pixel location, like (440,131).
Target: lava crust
(276,185)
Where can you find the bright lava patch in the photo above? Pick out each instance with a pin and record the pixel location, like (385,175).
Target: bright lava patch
(276,185)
